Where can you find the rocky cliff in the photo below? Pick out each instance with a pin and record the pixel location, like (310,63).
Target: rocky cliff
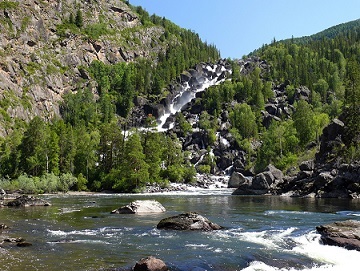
(45,47)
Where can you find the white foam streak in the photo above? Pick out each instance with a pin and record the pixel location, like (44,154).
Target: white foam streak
(336,258)
(332,258)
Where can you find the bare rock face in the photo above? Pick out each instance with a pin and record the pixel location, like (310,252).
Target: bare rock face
(150,264)
(25,201)
(343,234)
(41,59)
(188,221)
(141,207)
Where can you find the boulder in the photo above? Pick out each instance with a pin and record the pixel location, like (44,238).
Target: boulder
(307,165)
(236,180)
(150,264)
(277,173)
(23,244)
(302,93)
(188,221)
(3,226)
(140,207)
(344,234)
(157,110)
(25,201)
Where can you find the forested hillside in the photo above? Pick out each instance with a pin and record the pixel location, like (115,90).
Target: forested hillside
(82,65)
(271,110)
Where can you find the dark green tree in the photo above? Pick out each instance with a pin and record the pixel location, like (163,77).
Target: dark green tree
(79,19)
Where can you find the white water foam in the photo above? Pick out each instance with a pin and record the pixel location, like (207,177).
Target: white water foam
(332,258)
(87,232)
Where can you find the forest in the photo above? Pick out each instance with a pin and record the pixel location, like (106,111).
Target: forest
(87,149)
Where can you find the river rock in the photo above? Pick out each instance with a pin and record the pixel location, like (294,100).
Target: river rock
(23,244)
(3,226)
(150,264)
(188,221)
(140,206)
(344,234)
(236,180)
(25,201)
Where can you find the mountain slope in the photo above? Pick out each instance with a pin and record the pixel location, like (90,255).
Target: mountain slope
(332,32)
(46,48)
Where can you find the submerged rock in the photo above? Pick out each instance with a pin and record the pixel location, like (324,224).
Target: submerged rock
(188,221)
(141,206)
(3,226)
(25,201)
(150,264)
(343,234)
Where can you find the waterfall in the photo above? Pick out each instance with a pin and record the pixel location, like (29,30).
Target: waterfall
(214,76)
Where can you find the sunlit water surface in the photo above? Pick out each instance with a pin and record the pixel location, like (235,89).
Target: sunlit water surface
(261,233)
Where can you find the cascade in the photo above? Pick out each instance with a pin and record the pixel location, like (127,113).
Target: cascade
(209,77)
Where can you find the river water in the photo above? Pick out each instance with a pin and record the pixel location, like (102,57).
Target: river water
(261,233)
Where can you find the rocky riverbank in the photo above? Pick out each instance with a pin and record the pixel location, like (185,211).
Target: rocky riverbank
(324,177)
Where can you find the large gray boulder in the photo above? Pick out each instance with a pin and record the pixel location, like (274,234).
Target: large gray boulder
(344,234)
(150,264)
(188,221)
(141,207)
(236,180)
(25,201)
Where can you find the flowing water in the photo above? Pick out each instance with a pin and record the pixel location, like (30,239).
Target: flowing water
(261,233)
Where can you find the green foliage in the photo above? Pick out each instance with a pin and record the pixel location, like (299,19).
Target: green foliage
(95,31)
(243,119)
(279,147)
(304,123)
(185,126)
(47,183)
(204,169)
(79,19)
(8,5)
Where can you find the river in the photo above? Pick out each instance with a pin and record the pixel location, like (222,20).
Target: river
(261,233)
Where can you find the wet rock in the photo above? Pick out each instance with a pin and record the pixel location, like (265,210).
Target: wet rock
(23,244)
(150,264)
(154,110)
(14,240)
(188,221)
(25,201)
(140,206)
(344,234)
(3,226)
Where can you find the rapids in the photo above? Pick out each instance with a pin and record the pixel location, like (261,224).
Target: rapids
(261,233)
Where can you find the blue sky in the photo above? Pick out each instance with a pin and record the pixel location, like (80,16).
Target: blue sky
(237,27)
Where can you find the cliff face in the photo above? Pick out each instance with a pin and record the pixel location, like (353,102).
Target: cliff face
(45,46)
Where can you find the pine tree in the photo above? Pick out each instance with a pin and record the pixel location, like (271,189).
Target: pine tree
(135,169)
(79,19)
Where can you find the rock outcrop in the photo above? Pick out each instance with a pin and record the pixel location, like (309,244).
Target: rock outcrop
(26,201)
(262,183)
(150,264)
(42,57)
(141,207)
(344,234)
(188,222)
(326,176)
